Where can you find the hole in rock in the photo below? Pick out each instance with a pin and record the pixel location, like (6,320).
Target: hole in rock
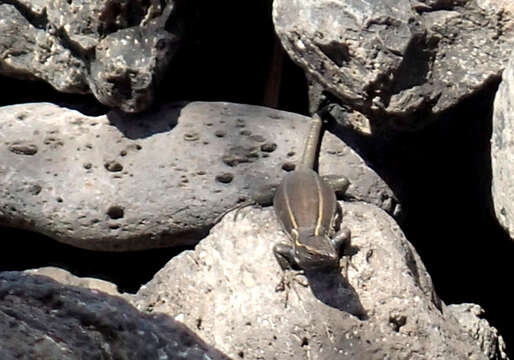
(115,212)
(397,321)
(305,342)
(113,166)
(268,147)
(225,178)
(288,166)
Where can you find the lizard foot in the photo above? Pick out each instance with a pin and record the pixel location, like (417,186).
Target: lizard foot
(287,281)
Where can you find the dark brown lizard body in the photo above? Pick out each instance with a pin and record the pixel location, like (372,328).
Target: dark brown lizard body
(308,210)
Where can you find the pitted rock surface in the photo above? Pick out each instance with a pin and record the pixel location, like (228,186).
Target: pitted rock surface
(121,182)
(398,63)
(386,309)
(502,148)
(471,317)
(43,319)
(116,50)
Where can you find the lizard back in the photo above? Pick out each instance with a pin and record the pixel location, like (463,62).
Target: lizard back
(305,201)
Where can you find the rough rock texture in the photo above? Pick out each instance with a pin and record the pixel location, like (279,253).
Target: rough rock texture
(126,183)
(65,277)
(386,310)
(470,316)
(115,49)
(502,150)
(398,62)
(42,319)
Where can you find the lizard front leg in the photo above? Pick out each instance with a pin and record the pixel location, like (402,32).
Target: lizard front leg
(284,253)
(341,240)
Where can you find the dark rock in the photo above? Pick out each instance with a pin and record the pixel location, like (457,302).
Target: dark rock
(117,50)
(398,63)
(43,319)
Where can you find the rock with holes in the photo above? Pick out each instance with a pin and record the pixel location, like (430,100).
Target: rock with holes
(121,182)
(471,317)
(502,147)
(396,63)
(116,50)
(43,319)
(385,308)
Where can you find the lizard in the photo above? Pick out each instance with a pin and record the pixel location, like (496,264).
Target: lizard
(307,208)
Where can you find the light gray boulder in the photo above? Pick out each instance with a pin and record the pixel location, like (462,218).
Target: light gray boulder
(502,150)
(234,295)
(396,63)
(120,182)
(471,317)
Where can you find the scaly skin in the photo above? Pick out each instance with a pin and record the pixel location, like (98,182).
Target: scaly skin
(308,210)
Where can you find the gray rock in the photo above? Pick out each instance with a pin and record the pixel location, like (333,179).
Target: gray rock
(470,316)
(115,49)
(66,278)
(502,158)
(121,182)
(46,320)
(386,309)
(29,52)
(400,63)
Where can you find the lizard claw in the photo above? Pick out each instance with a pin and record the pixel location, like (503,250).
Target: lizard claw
(287,281)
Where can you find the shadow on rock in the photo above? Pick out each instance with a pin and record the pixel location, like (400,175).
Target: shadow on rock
(331,288)
(146,124)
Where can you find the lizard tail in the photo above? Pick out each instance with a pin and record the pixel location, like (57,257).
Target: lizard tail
(311,143)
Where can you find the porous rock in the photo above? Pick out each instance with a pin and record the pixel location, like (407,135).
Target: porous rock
(120,182)
(471,318)
(117,50)
(397,64)
(502,159)
(43,319)
(385,309)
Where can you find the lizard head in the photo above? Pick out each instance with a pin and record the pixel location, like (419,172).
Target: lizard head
(315,252)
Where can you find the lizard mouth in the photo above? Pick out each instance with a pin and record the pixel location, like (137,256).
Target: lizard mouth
(317,260)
